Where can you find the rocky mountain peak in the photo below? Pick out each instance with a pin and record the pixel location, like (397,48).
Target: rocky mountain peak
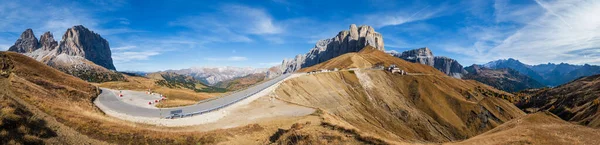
(352,40)
(420,55)
(80,41)
(26,42)
(47,41)
(425,56)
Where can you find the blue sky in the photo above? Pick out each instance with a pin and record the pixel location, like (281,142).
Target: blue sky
(154,35)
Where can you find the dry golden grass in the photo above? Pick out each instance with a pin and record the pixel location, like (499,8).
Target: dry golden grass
(391,107)
(243,82)
(538,128)
(176,97)
(577,101)
(69,101)
(367,58)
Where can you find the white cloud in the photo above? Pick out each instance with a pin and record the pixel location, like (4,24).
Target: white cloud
(232,58)
(269,63)
(519,13)
(127,56)
(383,19)
(4,47)
(123,48)
(546,31)
(231,23)
(256,20)
(565,27)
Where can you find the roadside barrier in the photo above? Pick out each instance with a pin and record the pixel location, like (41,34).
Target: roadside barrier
(262,86)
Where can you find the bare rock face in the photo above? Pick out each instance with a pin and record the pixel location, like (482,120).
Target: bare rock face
(424,55)
(449,66)
(421,55)
(346,41)
(79,41)
(81,53)
(26,43)
(47,41)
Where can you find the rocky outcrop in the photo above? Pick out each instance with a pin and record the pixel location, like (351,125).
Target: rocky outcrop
(79,41)
(26,43)
(352,40)
(449,66)
(81,53)
(47,41)
(421,55)
(424,55)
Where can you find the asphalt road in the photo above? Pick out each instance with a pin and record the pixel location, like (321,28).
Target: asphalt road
(111,101)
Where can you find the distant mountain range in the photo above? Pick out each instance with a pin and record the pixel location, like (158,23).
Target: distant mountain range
(213,75)
(178,81)
(81,53)
(548,74)
(504,79)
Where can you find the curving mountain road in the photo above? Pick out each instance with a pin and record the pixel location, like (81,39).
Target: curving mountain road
(109,100)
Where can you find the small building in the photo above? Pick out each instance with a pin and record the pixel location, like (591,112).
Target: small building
(336,69)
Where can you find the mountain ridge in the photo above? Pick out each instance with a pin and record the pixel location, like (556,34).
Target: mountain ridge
(352,40)
(424,55)
(549,74)
(505,79)
(81,53)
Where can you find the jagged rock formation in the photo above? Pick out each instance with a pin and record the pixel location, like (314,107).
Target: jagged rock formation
(79,41)
(421,55)
(449,66)
(81,53)
(424,55)
(26,43)
(47,42)
(352,40)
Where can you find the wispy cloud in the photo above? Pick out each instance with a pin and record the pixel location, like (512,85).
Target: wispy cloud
(127,56)
(541,32)
(393,18)
(122,48)
(231,58)
(4,47)
(269,63)
(232,23)
(566,26)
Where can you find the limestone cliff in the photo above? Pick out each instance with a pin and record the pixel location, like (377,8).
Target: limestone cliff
(81,53)
(352,40)
(424,55)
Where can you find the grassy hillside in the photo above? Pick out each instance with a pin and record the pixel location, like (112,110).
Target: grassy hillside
(427,107)
(177,81)
(67,101)
(242,82)
(177,96)
(505,79)
(537,128)
(576,101)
